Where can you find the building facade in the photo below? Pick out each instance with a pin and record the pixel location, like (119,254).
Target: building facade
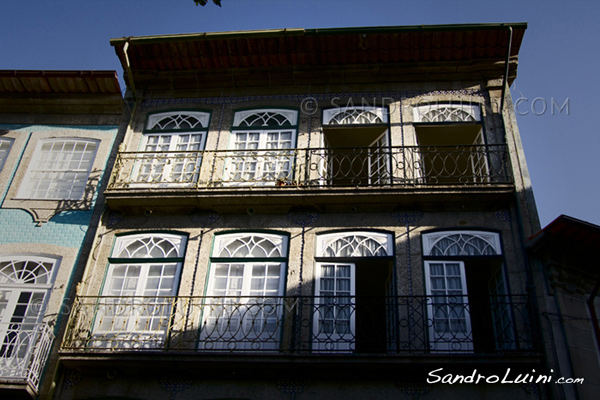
(335,213)
(57,129)
(563,257)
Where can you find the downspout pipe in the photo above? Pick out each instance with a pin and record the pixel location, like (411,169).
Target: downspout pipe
(507,68)
(129,72)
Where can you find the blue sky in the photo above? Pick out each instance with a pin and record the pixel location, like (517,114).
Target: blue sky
(559,61)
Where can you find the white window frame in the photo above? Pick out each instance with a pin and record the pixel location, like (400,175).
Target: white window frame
(244,317)
(171,166)
(327,337)
(18,338)
(117,321)
(352,244)
(261,166)
(30,184)
(454,340)
(449,307)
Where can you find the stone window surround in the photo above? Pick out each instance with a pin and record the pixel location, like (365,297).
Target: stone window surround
(43,210)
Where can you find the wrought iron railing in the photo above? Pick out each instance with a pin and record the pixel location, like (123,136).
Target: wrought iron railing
(24,350)
(358,324)
(315,167)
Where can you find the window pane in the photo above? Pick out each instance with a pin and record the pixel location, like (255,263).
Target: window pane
(5,145)
(60,170)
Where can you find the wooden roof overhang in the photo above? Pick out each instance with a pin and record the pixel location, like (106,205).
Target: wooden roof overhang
(31,82)
(59,92)
(316,49)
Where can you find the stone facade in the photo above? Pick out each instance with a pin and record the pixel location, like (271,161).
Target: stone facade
(330,229)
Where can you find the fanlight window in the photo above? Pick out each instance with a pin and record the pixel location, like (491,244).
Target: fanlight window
(461,243)
(262,143)
(150,246)
(447,113)
(23,271)
(245,309)
(178,120)
(265,118)
(355,116)
(250,245)
(135,309)
(25,286)
(458,322)
(354,244)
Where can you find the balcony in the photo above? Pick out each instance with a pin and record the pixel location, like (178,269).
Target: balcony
(222,180)
(23,355)
(401,326)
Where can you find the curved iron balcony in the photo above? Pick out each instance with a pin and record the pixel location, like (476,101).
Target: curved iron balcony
(302,325)
(406,166)
(23,353)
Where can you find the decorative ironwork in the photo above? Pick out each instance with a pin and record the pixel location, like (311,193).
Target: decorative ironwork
(24,351)
(471,165)
(279,324)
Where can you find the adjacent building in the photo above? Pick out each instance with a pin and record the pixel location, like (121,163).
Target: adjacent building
(564,259)
(57,129)
(312,213)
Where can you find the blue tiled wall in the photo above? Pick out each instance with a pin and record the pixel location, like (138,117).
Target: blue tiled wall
(67,228)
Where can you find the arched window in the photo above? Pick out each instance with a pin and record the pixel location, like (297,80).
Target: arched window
(261,144)
(452,148)
(250,245)
(357,146)
(178,120)
(246,280)
(344,259)
(173,142)
(355,116)
(354,244)
(25,286)
(461,243)
(463,277)
(135,308)
(265,118)
(149,246)
(446,112)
